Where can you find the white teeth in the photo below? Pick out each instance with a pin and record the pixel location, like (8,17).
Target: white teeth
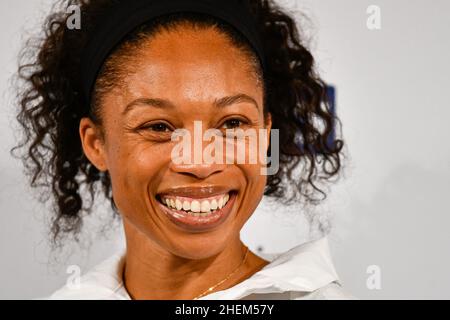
(223,201)
(178,204)
(214,204)
(195,206)
(205,206)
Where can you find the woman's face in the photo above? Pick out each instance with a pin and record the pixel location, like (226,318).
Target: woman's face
(174,79)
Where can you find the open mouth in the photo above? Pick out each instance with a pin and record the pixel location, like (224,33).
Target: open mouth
(197,214)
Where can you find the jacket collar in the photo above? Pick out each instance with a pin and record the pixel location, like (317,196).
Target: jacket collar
(304,268)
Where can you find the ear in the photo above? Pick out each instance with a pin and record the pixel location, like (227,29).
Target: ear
(92,141)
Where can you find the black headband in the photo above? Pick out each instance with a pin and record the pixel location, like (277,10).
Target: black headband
(126,15)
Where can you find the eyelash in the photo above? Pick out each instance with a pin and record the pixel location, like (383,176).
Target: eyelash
(241,121)
(153,125)
(167,128)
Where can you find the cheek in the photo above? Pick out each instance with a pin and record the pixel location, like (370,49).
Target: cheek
(255,184)
(136,172)
(255,179)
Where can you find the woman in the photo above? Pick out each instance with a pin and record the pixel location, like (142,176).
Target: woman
(105,100)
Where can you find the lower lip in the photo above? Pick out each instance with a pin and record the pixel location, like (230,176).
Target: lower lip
(200,224)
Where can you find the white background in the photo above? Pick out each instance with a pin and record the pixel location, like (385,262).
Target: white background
(390,210)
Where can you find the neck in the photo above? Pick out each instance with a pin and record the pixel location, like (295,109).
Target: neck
(152,272)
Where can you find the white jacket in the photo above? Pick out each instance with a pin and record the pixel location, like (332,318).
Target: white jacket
(303,272)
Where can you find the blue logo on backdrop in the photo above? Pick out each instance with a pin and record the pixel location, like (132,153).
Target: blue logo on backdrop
(331,94)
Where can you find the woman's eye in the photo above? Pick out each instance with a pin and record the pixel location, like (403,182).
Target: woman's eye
(232,123)
(158,127)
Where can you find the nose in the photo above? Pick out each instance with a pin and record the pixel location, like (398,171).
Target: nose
(193,146)
(199,171)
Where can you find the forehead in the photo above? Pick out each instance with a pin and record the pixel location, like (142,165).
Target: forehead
(190,64)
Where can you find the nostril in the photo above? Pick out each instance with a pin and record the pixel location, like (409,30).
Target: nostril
(199,171)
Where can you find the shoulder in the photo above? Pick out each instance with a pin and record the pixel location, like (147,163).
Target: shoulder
(332,291)
(103,282)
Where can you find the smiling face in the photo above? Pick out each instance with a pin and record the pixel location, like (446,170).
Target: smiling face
(175,78)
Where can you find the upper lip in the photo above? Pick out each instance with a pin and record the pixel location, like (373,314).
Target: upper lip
(196,192)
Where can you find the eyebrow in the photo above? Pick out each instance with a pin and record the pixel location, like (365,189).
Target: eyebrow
(166,104)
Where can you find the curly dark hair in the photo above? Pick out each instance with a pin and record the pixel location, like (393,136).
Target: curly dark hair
(51,105)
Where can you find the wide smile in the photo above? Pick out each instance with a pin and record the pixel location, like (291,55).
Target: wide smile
(197,214)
